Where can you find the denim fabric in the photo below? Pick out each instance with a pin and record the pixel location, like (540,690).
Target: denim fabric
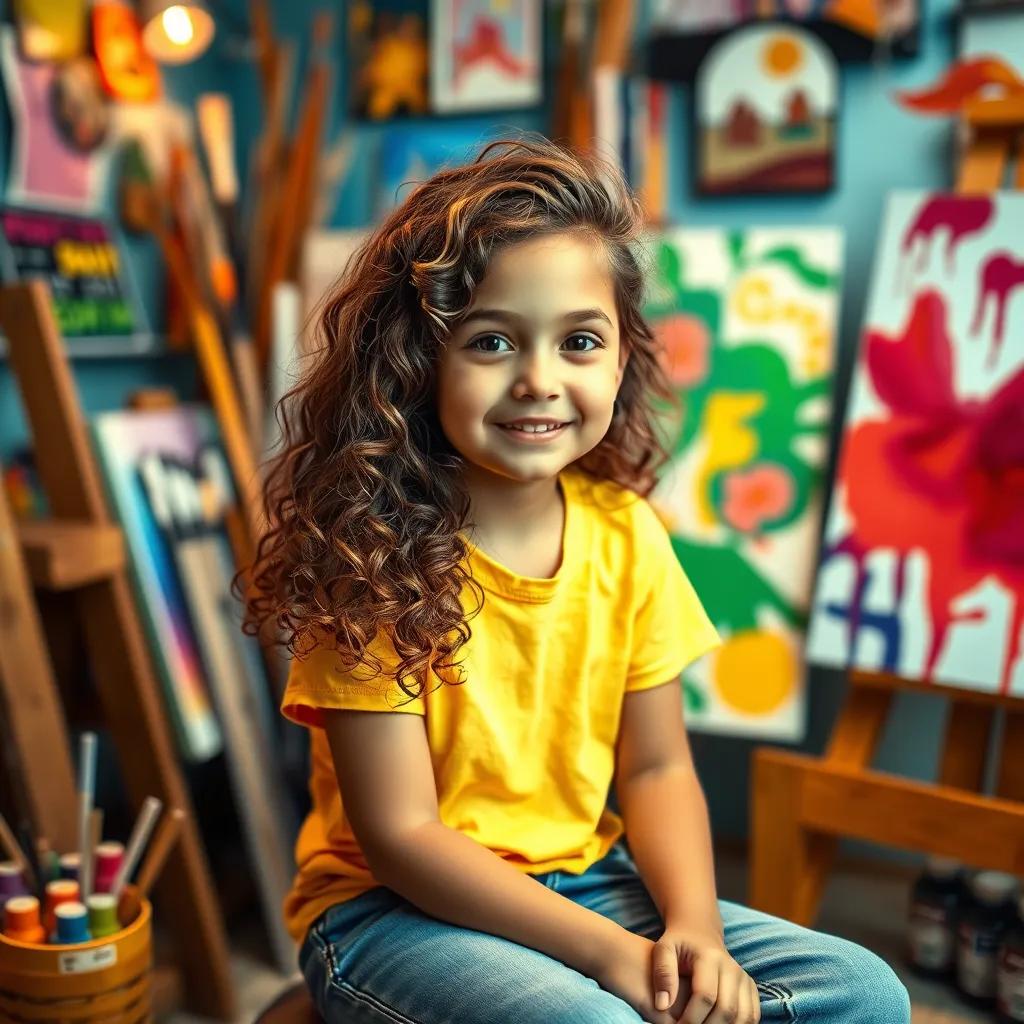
(378,958)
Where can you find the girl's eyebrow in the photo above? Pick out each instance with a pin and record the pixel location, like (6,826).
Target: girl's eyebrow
(508,315)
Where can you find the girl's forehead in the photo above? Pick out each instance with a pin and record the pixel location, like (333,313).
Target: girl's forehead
(549,262)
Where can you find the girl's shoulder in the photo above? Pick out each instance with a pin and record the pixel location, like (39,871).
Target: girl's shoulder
(611,505)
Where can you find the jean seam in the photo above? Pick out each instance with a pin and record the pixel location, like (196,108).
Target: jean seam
(358,995)
(783,994)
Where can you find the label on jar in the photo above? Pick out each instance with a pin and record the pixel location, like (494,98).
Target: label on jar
(1010,985)
(931,939)
(88,960)
(976,960)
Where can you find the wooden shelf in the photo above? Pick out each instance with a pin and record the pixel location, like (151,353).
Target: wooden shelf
(63,554)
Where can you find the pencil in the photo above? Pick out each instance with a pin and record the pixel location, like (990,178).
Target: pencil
(136,843)
(130,902)
(14,851)
(86,790)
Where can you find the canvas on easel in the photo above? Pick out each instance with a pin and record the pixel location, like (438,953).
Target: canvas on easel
(944,409)
(923,565)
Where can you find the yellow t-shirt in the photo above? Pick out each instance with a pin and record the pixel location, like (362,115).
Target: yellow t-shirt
(523,750)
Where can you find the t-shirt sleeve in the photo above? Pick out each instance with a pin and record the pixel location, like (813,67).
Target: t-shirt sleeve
(320,681)
(670,626)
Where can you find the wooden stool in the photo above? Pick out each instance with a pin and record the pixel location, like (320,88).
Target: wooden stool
(292,1006)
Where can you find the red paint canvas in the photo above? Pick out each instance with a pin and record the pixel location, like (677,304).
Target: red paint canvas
(922,571)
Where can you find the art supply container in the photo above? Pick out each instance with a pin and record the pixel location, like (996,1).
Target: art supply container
(93,982)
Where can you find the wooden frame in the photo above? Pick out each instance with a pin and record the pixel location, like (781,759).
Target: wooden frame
(802,805)
(131,700)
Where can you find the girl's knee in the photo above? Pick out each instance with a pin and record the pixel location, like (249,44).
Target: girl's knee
(871,991)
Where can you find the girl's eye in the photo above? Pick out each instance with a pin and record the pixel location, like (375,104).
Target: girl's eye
(476,342)
(584,337)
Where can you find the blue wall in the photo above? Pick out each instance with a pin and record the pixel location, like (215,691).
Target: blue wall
(880,148)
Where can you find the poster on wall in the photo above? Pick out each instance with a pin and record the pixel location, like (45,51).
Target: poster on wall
(748,323)
(922,568)
(388,58)
(60,146)
(766,103)
(81,265)
(683,31)
(485,55)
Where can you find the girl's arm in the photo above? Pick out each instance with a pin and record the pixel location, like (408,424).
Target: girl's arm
(387,786)
(664,809)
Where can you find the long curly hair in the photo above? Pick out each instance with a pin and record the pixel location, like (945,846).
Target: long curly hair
(363,501)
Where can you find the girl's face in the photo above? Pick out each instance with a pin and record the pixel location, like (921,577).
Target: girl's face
(540,342)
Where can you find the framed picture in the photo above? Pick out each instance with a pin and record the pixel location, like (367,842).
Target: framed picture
(389,56)
(683,31)
(747,319)
(485,55)
(766,102)
(922,568)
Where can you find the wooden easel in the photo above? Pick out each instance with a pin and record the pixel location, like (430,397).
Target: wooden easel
(105,607)
(801,806)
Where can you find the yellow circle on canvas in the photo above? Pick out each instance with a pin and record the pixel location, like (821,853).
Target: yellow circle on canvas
(754,672)
(782,55)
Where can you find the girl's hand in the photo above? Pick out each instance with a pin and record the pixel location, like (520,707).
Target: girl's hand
(625,971)
(719,989)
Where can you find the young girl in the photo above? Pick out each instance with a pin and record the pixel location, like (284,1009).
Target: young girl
(489,625)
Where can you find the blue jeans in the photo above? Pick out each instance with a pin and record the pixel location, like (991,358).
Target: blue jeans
(377,958)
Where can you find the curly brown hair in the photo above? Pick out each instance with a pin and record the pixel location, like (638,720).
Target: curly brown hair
(363,501)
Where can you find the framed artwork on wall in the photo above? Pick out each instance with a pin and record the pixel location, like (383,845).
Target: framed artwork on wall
(766,104)
(388,58)
(485,55)
(683,31)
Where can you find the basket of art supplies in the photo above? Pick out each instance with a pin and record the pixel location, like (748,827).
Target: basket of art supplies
(103,980)
(76,941)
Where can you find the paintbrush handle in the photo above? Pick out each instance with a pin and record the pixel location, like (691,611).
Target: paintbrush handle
(166,835)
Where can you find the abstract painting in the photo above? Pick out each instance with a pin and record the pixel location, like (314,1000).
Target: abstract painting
(747,319)
(766,100)
(485,55)
(922,571)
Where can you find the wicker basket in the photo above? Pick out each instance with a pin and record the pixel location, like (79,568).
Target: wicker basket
(105,981)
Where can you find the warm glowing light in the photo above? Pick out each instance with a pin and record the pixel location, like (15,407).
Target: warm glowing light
(178,26)
(782,56)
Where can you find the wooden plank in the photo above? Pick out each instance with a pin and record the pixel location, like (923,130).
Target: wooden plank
(987,832)
(886,681)
(965,748)
(61,555)
(858,729)
(983,163)
(30,704)
(124,677)
(1010,774)
(789,863)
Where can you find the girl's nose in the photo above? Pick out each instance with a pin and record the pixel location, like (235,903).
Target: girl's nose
(535,377)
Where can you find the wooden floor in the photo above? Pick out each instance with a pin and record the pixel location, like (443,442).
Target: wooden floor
(865,903)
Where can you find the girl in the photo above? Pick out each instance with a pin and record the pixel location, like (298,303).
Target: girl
(472,444)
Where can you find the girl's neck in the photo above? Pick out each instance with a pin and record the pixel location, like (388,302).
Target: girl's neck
(504,511)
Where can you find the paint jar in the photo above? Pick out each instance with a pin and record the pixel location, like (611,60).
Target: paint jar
(1010,972)
(935,903)
(986,918)
(102,980)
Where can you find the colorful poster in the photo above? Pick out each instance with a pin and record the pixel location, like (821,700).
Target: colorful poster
(748,323)
(81,264)
(485,55)
(46,170)
(766,104)
(922,572)
(123,440)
